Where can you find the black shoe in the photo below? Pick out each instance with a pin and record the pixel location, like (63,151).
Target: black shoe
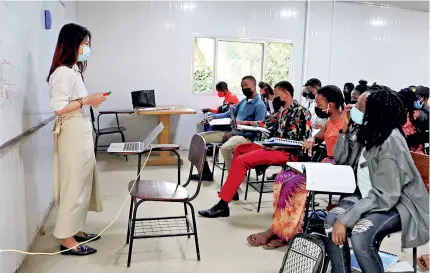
(215,212)
(235,197)
(81,250)
(88,236)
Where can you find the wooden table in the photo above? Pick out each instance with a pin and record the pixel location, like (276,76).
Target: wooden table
(163,115)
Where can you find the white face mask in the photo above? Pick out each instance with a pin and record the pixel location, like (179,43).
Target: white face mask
(86,52)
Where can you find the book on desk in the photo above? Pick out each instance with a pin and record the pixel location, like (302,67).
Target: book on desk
(326,177)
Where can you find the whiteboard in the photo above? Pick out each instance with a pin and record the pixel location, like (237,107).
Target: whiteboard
(26,50)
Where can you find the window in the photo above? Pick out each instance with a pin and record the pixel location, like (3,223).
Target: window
(229,60)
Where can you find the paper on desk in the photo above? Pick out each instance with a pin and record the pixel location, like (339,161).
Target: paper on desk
(221,121)
(326,177)
(253,128)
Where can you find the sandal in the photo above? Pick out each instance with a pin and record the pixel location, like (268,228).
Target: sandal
(257,239)
(423,262)
(275,243)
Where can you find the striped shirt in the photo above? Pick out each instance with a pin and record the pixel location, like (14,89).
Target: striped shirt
(65,85)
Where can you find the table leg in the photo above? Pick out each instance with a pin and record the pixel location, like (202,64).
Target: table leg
(165,158)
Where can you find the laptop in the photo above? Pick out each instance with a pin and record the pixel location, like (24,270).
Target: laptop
(136,147)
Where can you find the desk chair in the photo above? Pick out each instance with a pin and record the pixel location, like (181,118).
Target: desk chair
(109,130)
(216,161)
(162,191)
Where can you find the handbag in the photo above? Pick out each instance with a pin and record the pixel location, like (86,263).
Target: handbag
(143,98)
(307,253)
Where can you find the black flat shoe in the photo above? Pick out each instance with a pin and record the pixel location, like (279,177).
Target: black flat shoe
(205,177)
(215,212)
(81,250)
(88,236)
(235,197)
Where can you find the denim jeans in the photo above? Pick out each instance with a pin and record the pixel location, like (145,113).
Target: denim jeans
(366,237)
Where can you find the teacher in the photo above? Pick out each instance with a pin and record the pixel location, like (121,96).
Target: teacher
(75,174)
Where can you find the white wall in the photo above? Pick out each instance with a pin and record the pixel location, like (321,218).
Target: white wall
(386,45)
(138,45)
(26,168)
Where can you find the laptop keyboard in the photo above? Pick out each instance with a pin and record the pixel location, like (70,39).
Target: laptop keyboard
(131,146)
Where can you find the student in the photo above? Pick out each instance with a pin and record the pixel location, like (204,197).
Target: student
(250,108)
(76,184)
(291,122)
(267,95)
(230,99)
(358,90)
(311,88)
(391,195)
(289,207)
(347,89)
(410,121)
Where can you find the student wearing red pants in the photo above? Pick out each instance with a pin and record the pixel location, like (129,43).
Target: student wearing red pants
(292,121)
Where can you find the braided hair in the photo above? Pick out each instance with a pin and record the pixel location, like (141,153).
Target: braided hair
(384,113)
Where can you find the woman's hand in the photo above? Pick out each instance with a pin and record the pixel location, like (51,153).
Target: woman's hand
(338,235)
(346,118)
(308,145)
(95,99)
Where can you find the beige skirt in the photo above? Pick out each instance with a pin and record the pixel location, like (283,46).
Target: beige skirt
(75,175)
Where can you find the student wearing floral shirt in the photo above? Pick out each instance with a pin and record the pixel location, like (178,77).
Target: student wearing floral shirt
(292,122)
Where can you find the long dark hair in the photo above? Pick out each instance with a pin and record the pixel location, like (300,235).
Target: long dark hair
(67,49)
(384,113)
(408,97)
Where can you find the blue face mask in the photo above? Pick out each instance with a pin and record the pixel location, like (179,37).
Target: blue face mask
(418,104)
(86,51)
(357,116)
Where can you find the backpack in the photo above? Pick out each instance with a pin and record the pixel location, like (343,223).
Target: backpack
(315,223)
(307,253)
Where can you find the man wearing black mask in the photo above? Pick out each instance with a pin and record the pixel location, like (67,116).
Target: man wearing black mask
(248,109)
(309,93)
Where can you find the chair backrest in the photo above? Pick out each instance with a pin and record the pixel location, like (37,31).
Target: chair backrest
(93,119)
(422,163)
(197,153)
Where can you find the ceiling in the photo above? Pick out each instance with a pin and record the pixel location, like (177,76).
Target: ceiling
(413,5)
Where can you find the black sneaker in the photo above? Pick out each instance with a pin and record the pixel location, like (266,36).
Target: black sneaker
(215,212)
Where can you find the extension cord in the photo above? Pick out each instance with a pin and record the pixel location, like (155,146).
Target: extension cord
(108,226)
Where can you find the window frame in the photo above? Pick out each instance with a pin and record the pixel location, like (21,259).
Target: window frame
(216,39)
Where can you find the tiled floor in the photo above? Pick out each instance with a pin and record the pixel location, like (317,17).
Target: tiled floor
(222,241)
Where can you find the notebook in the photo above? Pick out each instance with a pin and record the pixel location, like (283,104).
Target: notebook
(253,129)
(388,260)
(326,177)
(275,141)
(221,121)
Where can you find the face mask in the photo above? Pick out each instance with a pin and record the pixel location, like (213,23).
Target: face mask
(221,94)
(247,92)
(311,96)
(321,113)
(357,116)
(86,51)
(305,94)
(418,104)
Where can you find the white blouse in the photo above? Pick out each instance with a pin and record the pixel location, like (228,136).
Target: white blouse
(66,85)
(363,178)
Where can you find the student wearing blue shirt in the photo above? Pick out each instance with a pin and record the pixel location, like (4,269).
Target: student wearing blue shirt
(249,109)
